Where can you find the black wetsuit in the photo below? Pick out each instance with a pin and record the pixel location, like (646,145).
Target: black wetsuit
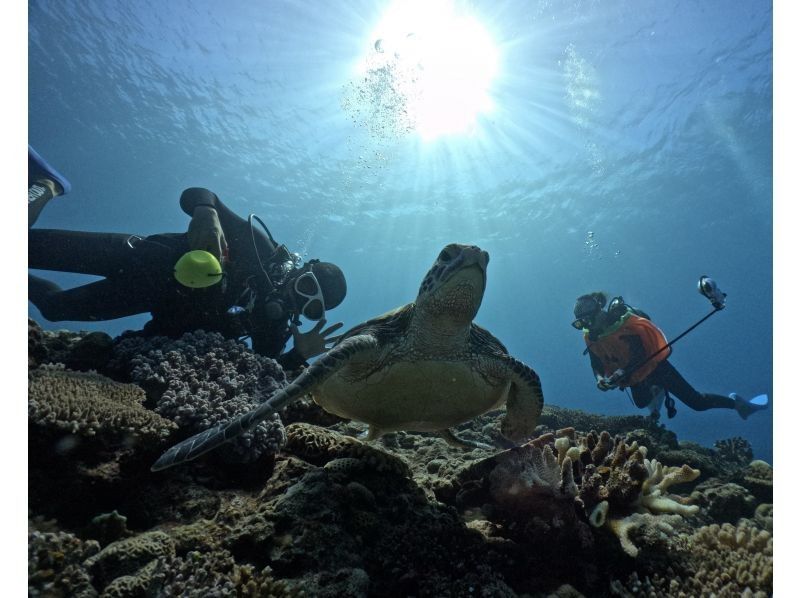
(664,376)
(139,278)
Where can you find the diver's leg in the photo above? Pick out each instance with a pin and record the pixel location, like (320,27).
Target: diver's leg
(670,379)
(102,300)
(641,394)
(101,254)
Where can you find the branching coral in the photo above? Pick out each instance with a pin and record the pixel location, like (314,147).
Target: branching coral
(202,380)
(88,404)
(612,482)
(727,560)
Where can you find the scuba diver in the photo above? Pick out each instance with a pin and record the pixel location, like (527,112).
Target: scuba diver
(224,275)
(628,351)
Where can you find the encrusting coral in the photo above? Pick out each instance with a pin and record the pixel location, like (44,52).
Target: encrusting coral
(322,447)
(88,405)
(202,380)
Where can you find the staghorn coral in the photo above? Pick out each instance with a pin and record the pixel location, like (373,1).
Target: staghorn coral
(89,405)
(55,565)
(321,446)
(202,380)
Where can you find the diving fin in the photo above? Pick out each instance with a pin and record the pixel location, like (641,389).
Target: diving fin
(746,408)
(38,169)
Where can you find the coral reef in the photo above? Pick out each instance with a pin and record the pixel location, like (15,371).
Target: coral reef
(612,483)
(724,502)
(82,351)
(757,478)
(55,564)
(202,380)
(90,405)
(735,450)
(331,515)
(320,446)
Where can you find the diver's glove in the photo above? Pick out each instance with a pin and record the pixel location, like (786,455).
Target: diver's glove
(205,232)
(312,343)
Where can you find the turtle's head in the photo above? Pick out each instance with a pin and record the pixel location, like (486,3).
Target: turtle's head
(453,287)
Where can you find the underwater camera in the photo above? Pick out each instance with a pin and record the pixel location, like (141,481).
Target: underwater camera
(709,289)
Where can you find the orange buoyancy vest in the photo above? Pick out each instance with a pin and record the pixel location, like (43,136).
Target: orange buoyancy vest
(615,352)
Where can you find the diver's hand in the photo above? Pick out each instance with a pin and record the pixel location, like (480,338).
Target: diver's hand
(205,232)
(312,343)
(602,384)
(611,381)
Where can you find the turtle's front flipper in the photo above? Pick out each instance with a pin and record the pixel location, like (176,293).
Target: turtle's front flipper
(525,401)
(454,440)
(318,372)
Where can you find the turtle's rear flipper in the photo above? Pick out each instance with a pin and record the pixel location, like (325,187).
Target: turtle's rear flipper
(453,440)
(318,372)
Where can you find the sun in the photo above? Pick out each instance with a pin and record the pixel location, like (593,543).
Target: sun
(435,65)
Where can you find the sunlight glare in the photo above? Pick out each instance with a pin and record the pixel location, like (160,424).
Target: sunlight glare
(442,62)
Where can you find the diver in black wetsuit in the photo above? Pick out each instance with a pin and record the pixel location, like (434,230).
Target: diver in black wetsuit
(262,293)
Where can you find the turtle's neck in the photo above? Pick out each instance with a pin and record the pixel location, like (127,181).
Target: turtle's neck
(435,335)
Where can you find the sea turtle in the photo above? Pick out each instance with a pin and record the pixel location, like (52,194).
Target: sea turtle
(422,367)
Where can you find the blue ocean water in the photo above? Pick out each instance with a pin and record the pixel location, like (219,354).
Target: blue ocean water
(629,150)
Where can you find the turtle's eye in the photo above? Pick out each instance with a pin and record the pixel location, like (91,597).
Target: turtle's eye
(445,256)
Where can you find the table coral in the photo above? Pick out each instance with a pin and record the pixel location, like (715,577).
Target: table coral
(202,380)
(88,404)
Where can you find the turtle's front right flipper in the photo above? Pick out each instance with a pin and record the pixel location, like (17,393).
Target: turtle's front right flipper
(318,372)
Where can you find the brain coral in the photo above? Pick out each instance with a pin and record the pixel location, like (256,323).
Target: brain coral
(321,446)
(202,380)
(88,404)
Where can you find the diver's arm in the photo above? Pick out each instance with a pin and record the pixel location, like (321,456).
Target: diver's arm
(266,342)
(205,230)
(597,366)
(193,197)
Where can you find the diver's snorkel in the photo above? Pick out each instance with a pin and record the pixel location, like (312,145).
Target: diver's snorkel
(706,287)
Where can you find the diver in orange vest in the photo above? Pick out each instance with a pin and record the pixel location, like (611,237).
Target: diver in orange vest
(621,337)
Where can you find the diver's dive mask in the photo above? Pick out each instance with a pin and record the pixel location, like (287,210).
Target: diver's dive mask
(584,321)
(307,286)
